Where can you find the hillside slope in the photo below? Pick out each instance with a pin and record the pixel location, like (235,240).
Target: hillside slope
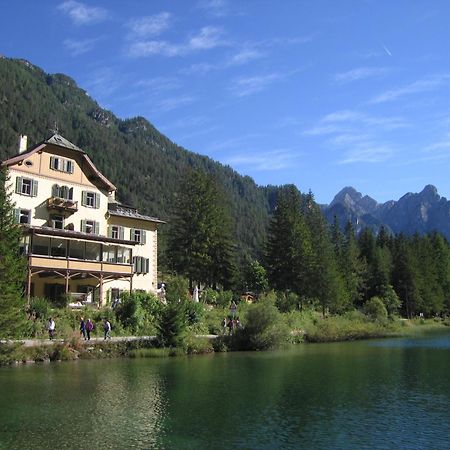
(144,164)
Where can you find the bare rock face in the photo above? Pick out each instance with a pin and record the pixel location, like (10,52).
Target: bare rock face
(421,213)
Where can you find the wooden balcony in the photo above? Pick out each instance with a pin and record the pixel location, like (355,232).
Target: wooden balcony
(61,205)
(73,265)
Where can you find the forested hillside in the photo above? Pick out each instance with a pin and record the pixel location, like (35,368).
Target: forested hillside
(144,164)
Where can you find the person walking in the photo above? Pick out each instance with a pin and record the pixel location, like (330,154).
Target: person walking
(51,328)
(83,328)
(89,328)
(107,329)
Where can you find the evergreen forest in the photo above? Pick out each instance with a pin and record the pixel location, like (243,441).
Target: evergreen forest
(223,230)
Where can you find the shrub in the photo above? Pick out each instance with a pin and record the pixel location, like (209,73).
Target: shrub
(375,309)
(40,307)
(172,325)
(224,299)
(177,289)
(194,312)
(287,301)
(264,328)
(130,312)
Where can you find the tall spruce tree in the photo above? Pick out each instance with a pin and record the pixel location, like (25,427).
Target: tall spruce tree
(288,250)
(12,267)
(325,282)
(200,243)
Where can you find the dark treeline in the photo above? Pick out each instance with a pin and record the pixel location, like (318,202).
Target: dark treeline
(340,271)
(307,261)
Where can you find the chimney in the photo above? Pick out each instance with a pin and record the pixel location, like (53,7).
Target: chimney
(22,143)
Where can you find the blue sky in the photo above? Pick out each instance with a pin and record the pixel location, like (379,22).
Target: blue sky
(323,94)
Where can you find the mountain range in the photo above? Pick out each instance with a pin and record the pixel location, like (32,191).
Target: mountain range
(421,213)
(146,166)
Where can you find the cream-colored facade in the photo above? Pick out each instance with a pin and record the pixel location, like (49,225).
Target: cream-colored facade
(78,239)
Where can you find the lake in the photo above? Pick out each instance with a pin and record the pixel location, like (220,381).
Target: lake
(385,394)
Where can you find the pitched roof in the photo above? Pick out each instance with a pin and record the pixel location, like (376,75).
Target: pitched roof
(60,141)
(116,209)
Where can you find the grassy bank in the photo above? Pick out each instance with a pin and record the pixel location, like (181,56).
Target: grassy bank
(263,328)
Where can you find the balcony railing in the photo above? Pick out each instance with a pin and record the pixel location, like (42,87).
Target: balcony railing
(62,205)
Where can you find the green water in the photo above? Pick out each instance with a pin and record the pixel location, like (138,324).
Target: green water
(387,394)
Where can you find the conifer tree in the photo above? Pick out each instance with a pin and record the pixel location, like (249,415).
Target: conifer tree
(12,267)
(200,244)
(288,251)
(325,282)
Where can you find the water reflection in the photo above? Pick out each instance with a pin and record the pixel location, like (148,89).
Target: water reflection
(351,395)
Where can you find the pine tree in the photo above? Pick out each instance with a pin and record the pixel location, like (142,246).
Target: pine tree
(12,267)
(325,282)
(200,244)
(288,250)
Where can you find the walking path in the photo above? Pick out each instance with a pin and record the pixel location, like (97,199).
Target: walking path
(93,340)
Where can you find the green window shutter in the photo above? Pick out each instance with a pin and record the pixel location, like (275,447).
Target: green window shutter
(132,234)
(70,166)
(110,231)
(134,264)
(121,233)
(143,237)
(83,226)
(17,214)
(147,265)
(139,264)
(96,227)
(52,162)
(55,190)
(83,198)
(97,201)
(19,185)
(34,188)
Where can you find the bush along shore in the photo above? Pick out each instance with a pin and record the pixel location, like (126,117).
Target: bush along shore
(186,328)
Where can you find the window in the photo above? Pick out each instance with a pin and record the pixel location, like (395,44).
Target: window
(138,236)
(58,248)
(93,251)
(123,255)
(23,216)
(141,264)
(115,232)
(41,245)
(90,226)
(76,249)
(26,186)
(57,222)
(62,192)
(61,164)
(90,199)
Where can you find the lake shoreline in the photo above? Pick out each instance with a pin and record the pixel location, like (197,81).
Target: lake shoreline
(42,351)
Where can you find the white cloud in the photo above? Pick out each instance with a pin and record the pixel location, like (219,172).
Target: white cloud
(79,47)
(360,73)
(206,39)
(261,161)
(217,8)
(209,37)
(245,86)
(82,14)
(150,25)
(244,56)
(171,103)
(151,48)
(428,84)
(367,154)
(159,84)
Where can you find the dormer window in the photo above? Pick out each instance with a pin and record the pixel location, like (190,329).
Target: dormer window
(61,164)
